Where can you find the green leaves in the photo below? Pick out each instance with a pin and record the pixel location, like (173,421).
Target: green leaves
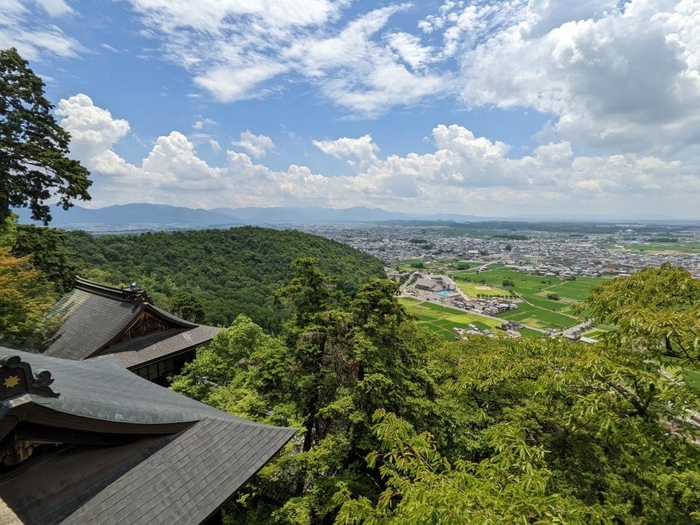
(33,147)
(397,427)
(25,297)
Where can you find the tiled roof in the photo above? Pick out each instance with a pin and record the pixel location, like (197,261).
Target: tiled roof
(102,389)
(90,322)
(143,350)
(179,478)
(185,481)
(94,315)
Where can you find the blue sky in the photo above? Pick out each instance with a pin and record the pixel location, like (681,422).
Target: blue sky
(493,108)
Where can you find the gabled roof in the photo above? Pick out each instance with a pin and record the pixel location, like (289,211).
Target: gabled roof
(96,320)
(135,452)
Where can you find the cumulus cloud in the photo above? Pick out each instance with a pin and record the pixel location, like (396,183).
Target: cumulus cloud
(255,145)
(93,130)
(362,149)
(465,173)
(618,76)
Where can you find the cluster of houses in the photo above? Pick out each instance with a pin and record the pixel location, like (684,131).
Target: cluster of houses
(511,328)
(447,291)
(491,305)
(461,333)
(542,253)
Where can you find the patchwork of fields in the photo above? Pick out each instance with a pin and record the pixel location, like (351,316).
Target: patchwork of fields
(442,320)
(549,300)
(541,312)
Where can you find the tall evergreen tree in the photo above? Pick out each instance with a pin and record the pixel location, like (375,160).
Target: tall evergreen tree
(34,163)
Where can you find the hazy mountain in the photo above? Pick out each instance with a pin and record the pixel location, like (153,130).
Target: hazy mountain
(161,216)
(134,214)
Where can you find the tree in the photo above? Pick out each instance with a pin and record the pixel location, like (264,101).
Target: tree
(25,298)
(547,437)
(656,310)
(33,147)
(49,255)
(341,360)
(188,307)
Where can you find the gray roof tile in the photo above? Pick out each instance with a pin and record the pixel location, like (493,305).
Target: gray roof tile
(154,347)
(94,315)
(182,480)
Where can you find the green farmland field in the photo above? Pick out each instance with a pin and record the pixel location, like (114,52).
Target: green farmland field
(475,289)
(539,317)
(541,312)
(441,320)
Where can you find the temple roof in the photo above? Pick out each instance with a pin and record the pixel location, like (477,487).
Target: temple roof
(127,451)
(96,317)
(143,350)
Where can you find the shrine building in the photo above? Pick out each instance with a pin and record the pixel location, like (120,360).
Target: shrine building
(98,320)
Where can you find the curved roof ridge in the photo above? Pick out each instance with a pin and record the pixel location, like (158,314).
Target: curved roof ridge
(101,389)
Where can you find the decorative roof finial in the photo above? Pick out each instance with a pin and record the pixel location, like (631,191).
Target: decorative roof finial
(16,378)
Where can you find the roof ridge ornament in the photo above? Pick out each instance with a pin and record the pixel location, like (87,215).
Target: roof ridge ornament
(135,294)
(17,378)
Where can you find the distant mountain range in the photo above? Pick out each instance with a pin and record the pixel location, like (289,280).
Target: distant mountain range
(172,216)
(131,214)
(162,216)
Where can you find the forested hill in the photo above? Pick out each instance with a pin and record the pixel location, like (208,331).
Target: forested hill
(227,272)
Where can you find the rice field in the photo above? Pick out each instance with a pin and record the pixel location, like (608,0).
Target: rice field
(541,312)
(441,319)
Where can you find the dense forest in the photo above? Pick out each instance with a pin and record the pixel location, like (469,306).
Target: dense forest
(212,276)
(399,427)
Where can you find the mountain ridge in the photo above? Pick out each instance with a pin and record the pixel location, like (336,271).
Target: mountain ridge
(164,215)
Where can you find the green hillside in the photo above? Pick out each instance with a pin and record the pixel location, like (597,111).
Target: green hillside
(228,271)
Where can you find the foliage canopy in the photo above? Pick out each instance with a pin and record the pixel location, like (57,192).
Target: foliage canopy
(397,427)
(228,272)
(33,147)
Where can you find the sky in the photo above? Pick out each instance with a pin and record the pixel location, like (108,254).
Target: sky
(493,108)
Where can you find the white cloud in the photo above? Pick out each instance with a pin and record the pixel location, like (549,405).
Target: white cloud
(174,163)
(619,77)
(246,50)
(255,145)
(55,7)
(362,149)
(464,173)
(19,29)
(200,124)
(410,50)
(93,130)
(231,85)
